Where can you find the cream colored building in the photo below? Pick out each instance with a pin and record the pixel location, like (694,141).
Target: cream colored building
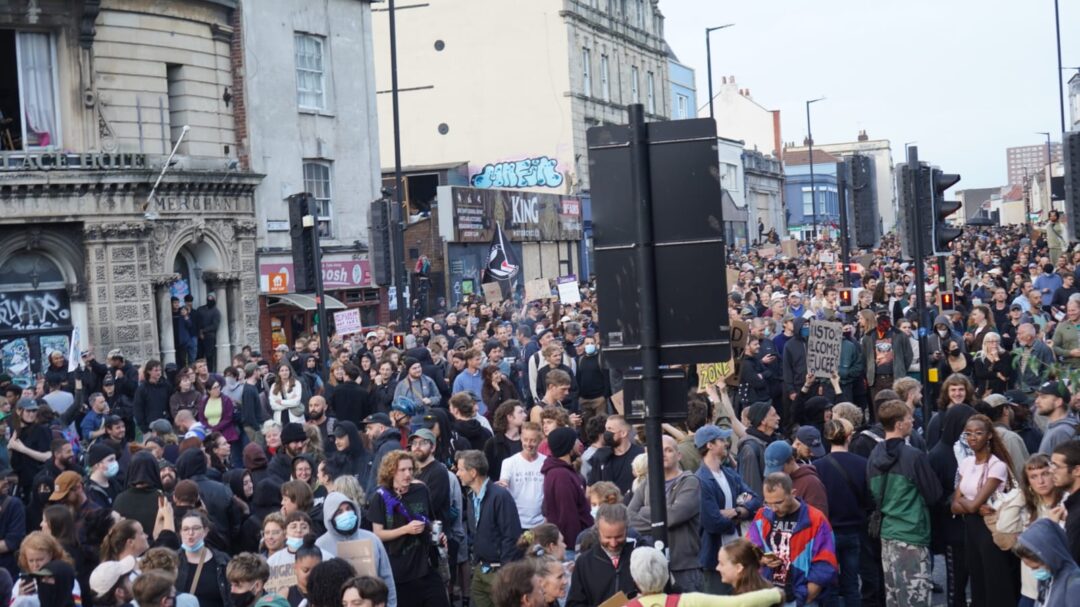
(98,94)
(738,116)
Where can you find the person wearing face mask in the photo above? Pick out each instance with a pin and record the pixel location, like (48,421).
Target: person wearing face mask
(852,369)
(102,486)
(207,318)
(1044,548)
(612,462)
(794,361)
(247,575)
(342,518)
(594,383)
(202,570)
(297,527)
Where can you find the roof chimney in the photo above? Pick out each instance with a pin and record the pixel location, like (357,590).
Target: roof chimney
(807,141)
(863,136)
(723,80)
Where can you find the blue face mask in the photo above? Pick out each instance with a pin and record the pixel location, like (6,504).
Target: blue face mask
(804,332)
(195,548)
(346,521)
(113,469)
(1042,575)
(294,543)
(594,511)
(590,349)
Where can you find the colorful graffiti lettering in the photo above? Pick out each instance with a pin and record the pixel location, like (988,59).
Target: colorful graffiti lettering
(527,173)
(32,311)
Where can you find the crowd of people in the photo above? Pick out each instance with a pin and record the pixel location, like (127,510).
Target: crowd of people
(486,461)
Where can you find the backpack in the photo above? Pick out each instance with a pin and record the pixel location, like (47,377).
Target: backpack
(671,600)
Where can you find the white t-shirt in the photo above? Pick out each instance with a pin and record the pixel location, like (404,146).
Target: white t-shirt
(526,483)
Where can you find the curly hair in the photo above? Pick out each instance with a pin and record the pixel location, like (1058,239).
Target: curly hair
(388,467)
(160,559)
(325,582)
(42,542)
(952,380)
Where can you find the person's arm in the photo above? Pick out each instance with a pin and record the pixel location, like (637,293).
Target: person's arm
(687,502)
(713,519)
(637,511)
(139,405)
(823,566)
(16,444)
(16,528)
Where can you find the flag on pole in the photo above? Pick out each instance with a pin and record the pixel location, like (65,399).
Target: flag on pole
(75,350)
(503,266)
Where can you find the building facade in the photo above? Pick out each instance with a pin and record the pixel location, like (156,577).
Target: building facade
(1074,102)
(1027,160)
(512,106)
(105,91)
(310,126)
(738,116)
(683,93)
(801,201)
(764,178)
(880,151)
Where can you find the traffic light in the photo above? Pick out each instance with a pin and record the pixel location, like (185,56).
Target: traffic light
(399,341)
(943,233)
(302,232)
(1072,183)
(845,298)
(906,208)
(380,252)
(866,226)
(946,301)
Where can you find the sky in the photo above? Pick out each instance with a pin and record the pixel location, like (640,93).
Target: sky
(965,79)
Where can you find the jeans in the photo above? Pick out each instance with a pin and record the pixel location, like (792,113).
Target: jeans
(870,570)
(848,547)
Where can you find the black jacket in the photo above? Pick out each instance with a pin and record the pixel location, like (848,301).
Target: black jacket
(350,402)
(497,449)
(592,378)
(795,359)
(388,441)
(216,497)
(219,560)
(151,403)
(494,538)
(596,579)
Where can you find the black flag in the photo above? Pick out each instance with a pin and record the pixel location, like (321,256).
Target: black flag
(502,266)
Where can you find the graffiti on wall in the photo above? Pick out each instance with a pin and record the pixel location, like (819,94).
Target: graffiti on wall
(34,310)
(527,173)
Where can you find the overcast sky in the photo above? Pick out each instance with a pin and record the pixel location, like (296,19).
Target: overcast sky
(963,78)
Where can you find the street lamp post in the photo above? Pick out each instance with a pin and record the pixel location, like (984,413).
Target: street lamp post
(810,142)
(708,62)
(1049,174)
(1061,75)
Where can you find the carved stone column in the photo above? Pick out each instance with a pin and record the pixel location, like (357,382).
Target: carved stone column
(165,321)
(220,283)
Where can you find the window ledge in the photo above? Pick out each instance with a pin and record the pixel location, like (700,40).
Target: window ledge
(315,112)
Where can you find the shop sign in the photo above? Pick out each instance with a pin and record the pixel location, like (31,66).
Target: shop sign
(336,275)
(279,283)
(61,161)
(525,216)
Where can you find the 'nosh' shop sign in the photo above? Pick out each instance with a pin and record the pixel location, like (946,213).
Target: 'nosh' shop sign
(823,348)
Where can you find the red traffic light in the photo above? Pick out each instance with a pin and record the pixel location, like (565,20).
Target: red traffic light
(399,341)
(946,301)
(845,297)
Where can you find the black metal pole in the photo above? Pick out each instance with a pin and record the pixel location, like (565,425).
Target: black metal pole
(920,258)
(708,66)
(1061,74)
(843,169)
(397,217)
(320,294)
(650,352)
(813,191)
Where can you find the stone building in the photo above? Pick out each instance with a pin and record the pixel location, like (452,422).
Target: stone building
(105,91)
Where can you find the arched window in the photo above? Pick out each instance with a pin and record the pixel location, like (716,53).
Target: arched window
(35,314)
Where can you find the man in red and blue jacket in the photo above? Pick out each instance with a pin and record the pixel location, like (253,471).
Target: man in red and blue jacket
(800,555)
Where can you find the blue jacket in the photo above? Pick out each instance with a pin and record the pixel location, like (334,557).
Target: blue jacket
(12,531)
(494,537)
(713,524)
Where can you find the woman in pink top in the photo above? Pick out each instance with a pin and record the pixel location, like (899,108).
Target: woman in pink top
(995,573)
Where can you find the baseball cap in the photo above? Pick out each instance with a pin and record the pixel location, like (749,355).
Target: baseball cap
(1017,397)
(116,353)
(425,434)
(108,381)
(340,431)
(28,404)
(371,335)
(107,574)
(161,426)
(708,433)
(776,455)
(1016,306)
(63,485)
(995,400)
(1055,388)
(377,418)
(809,436)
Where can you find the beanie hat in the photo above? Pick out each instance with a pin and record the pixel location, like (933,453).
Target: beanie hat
(757,412)
(561,441)
(292,433)
(98,451)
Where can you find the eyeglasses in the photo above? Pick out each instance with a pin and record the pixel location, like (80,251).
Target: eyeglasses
(979,433)
(191,529)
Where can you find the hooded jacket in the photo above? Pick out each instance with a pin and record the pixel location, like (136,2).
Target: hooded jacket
(435,372)
(329,541)
(255,461)
(564,502)
(473,431)
(714,526)
(389,440)
(1048,541)
(264,500)
(812,551)
(139,500)
(808,487)
(795,358)
(683,519)
(912,488)
(151,403)
(215,496)
(359,458)
(945,527)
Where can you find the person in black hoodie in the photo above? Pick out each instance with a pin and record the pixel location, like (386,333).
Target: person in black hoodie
(465,422)
(152,396)
(223,512)
(349,401)
(139,500)
(350,445)
(265,500)
(384,438)
(754,376)
(794,364)
(947,531)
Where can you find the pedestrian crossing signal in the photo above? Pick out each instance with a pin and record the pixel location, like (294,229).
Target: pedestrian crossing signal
(399,341)
(946,301)
(845,297)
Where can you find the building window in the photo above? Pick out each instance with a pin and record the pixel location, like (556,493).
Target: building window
(807,203)
(310,79)
(682,106)
(586,72)
(729,176)
(605,81)
(317,183)
(635,88)
(29,114)
(641,14)
(650,92)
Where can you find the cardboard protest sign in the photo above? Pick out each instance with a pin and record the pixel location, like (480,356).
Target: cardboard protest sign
(537,289)
(790,248)
(767,252)
(281,578)
(823,348)
(618,600)
(569,293)
(710,373)
(360,554)
(347,322)
(826,257)
(492,292)
(732,278)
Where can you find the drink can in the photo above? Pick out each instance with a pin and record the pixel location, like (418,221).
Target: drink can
(436,531)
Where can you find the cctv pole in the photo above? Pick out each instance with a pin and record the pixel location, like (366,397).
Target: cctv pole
(920,279)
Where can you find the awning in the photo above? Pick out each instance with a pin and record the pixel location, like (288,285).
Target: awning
(306,302)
